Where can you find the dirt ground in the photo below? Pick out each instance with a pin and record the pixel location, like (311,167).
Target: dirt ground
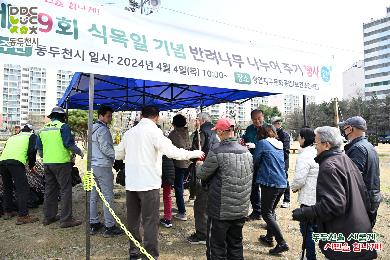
(34,241)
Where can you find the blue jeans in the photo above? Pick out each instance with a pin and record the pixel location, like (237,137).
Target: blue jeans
(180,174)
(310,245)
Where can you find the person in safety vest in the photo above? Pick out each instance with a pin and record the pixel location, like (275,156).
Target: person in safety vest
(19,150)
(55,145)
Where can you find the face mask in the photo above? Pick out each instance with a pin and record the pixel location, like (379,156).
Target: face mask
(346,135)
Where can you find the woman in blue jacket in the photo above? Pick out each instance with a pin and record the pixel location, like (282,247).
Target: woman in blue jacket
(269,165)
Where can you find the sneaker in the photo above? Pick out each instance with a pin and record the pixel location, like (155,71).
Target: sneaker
(285,205)
(71,223)
(253,216)
(166,223)
(135,257)
(194,239)
(46,222)
(279,248)
(182,217)
(95,227)
(9,215)
(268,241)
(26,219)
(113,232)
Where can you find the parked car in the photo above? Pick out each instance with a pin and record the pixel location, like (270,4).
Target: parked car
(384,139)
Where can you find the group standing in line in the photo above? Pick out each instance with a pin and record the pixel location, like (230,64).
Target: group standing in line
(333,187)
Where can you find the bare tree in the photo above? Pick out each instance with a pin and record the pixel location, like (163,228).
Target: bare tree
(37,120)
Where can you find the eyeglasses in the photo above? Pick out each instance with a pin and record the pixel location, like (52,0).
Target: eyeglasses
(315,143)
(346,128)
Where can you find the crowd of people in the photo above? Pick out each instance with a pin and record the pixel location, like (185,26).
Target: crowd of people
(227,175)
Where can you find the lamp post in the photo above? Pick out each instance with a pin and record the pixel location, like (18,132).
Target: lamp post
(304,111)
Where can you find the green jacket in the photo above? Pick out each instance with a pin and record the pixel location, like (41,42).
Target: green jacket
(250,136)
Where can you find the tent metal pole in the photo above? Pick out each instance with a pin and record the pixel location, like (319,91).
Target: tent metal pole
(143,95)
(127,94)
(89,158)
(304,111)
(336,112)
(67,110)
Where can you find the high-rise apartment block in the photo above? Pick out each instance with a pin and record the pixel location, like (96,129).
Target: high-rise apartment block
(376,35)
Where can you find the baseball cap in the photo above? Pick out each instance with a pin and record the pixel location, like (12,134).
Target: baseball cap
(355,121)
(224,124)
(276,119)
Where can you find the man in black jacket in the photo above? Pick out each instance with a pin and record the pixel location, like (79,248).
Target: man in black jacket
(341,200)
(206,139)
(364,155)
(284,137)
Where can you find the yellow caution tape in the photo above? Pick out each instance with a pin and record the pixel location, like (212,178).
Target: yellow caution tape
(89,180)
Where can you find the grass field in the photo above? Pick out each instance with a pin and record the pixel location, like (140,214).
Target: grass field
(35,241)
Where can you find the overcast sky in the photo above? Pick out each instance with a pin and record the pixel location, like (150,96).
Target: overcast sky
(330,28)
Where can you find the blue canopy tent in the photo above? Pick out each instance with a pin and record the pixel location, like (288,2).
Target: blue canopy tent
(129,94)
(89,91)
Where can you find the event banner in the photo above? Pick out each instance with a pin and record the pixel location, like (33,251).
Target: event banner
(85,37)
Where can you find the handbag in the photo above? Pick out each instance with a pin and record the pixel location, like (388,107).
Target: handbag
(76,179)
(120,177)
(119,167)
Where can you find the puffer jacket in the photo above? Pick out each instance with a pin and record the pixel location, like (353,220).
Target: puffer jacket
(181,139)
(305,178)
(228,168)
(168,171)
(269,163)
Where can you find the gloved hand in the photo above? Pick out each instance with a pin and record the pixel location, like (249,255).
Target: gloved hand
(297,214)
(303,214)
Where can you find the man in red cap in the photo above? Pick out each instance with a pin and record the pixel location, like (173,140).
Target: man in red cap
(227,170)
